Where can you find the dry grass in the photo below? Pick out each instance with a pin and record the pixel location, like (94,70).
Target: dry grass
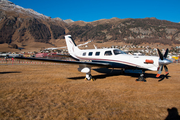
(60,92)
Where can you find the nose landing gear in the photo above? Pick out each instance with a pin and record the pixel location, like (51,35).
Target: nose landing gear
(141,77)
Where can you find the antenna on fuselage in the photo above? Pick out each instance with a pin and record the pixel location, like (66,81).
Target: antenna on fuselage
(95,47)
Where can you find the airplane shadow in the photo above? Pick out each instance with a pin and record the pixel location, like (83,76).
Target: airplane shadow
(10,72)
(109,72)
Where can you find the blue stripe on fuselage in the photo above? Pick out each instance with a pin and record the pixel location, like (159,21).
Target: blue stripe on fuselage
(120,65)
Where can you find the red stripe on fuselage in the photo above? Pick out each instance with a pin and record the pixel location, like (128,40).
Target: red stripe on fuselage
(109,60)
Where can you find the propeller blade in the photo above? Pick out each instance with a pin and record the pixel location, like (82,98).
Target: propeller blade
(163,62)
(166,69)
(160,70)
(160,54)
(166,53)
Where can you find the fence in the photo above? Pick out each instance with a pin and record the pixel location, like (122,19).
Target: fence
(26,62)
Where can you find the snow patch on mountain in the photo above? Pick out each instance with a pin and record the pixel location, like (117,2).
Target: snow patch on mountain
(68,21)
(9,6)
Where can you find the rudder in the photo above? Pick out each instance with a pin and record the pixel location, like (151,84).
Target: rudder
(71,45)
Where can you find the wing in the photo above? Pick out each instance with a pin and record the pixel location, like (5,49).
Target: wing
(67,56)
(92,64)
(62,55)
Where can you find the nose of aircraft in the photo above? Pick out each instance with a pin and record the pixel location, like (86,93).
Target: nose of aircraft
(164,62)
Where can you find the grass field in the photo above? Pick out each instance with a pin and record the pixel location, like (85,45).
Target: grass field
(29,91)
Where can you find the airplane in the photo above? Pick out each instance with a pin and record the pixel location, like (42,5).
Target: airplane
(6,55)
(110,58)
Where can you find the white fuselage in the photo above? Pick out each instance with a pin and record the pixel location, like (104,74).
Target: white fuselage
(114,57)
(117,58)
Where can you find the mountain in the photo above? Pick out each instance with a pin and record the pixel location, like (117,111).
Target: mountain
(134,31)
(20,25)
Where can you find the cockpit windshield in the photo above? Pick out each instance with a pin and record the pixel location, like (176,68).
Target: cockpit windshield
(117,51)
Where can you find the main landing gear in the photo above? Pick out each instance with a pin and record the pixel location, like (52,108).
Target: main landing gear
(87,70)
(89,77)
(141,77)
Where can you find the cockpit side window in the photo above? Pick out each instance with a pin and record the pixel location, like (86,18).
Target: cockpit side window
(90,53)
(108,53)
(84,54)
(116,52)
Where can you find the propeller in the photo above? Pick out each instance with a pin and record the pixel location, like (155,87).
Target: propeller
(163,62)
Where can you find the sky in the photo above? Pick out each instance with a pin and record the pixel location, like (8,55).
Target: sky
(91,10)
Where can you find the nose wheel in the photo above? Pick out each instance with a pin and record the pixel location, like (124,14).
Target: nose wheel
(141,77)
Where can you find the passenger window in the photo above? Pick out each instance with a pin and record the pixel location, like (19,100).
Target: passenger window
(108,53)
(97,53)
(84,54)
(90,53)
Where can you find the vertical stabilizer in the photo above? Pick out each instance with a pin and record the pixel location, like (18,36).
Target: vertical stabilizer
(72,48)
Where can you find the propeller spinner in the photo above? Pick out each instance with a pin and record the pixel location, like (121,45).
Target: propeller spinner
(163,62)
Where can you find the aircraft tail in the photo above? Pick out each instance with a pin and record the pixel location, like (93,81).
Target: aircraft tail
(71,45)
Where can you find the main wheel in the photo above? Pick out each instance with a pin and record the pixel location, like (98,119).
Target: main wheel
(141,78)
(88,79)
(92,79)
